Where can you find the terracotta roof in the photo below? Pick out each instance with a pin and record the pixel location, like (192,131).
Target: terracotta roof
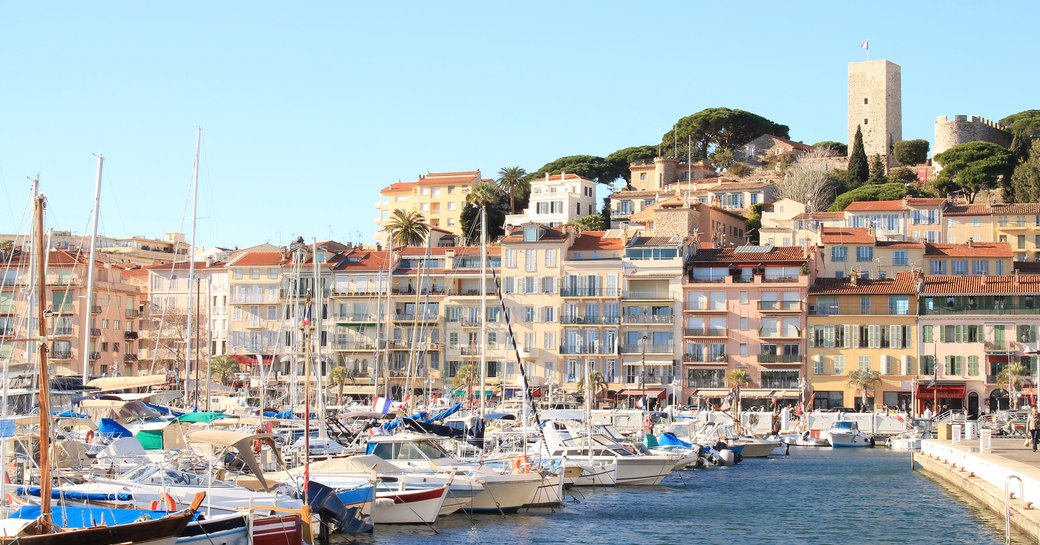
(184,266)
(968,210)
(820,216)
(254,259)
(594,240)
(903,283)
(777,253)
(792,143)
(449,177)
(897,244)
(977,249)
(924,201)
(1026,208)
(846,235)
(870,206)
(362,260)
(549,234)
(398,186)
(419,251)
(556,178)
(1026,284)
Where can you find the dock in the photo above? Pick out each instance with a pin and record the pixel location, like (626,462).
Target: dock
(985,473)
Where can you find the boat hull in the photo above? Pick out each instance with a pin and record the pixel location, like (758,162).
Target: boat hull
(408,506)
(642,470)
(505,493)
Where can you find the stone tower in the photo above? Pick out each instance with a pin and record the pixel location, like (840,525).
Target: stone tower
(876,106)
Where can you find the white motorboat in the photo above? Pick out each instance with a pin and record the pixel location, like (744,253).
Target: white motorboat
(630,467)
(908,440)
(846,433)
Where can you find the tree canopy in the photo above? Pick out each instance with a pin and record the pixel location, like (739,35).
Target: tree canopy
(1024,128)
(721,127)
(902,175)
(592,222)
(489,195)
(622,158)
(407,228)
(592,167)
(837,147)
(877,170)
(872,192)
(513,181)
(973,167)
(911,152)
(858,170)
(1025,180)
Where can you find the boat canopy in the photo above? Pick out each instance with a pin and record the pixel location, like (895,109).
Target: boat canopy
(108,384)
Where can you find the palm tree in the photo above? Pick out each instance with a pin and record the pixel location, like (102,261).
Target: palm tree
(1012,375)
(513,180)
(737,379)
(861,379)
(465,376)
(223,368)
(484,194)
(407,228)
(340,376)
(597,383)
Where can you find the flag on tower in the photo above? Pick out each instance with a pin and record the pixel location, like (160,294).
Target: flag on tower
(865,44)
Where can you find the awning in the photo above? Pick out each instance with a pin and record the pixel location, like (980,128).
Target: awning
(106,384)
(712,392)
(476,393)
(785,393)
(941,390)
(998,358)
(243,359)
(640,393)
(356,390)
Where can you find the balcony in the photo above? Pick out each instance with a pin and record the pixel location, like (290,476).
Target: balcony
(786,333)
(63,280)
(356,318)
(9,332)
(858,310)
(354,345)
(597,348)
(780,358)
(95,309)
(705,332)
(94,356)
(129,358)
(590,320)
(650,348)
(590,292)
(705,359)
(133,313)
(61,354)
(708,309)
(95,332)
(1014,225)
(62,309)
(780,306)
(648,319)
(130,335)
(421,317)
(649,295)
(971,309)
(63,331)
(781,279)
(706,384)
(467,350)
(1000,346)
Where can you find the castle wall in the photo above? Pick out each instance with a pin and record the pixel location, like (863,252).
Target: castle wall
(962,129)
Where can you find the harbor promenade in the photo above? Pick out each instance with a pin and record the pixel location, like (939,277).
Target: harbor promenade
(985,473)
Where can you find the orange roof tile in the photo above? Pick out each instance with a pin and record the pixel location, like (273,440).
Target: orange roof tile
(977,249)
(846,235)
(820,216)
(1026,284)
(1026,208)
(897,244)
(594,240)
(255,259)
(871,206)
(362,260)
(968,210)
(778,253)
(924,201)
(903,283)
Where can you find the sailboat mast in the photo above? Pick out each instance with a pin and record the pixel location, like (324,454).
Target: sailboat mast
(45,390)
(191,268)
(316,316)
(90,272)
(483,308)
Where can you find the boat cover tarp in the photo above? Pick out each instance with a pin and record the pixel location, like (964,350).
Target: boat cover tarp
(443,414)
(125,383)
(111,428)
(328,502)
(165,411)
(668,439)
(151,439)
(201,416)
(74,495)
(87,517)
(436,429)
(7,427)
(121,449)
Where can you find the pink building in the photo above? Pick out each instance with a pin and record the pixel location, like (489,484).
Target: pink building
(744,309)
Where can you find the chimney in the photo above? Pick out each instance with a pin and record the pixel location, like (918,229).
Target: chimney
(209,261)
(379,247)
(547,176)
(854,277)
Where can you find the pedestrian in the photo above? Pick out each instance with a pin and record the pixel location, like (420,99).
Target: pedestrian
(1033,425)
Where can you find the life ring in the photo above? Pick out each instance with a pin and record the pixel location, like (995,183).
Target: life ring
(521,464)
(256,446)
(90,436)
(171,505)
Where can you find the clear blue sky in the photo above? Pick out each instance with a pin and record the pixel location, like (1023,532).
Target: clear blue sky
(308,109)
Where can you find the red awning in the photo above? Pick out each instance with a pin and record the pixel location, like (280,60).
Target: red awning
(941,390)
(242,359)
(636,392)
(998,357)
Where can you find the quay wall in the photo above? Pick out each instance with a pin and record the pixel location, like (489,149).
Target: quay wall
(982,477)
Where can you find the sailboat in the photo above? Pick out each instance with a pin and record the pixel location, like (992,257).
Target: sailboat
(37,525)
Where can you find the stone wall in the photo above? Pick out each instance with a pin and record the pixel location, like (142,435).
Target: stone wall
(962,129)
(875,105)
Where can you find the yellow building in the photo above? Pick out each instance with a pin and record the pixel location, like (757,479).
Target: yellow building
(1019,226)
(848,249)
(532,265)
(869,324)
(438,196)
(969,221)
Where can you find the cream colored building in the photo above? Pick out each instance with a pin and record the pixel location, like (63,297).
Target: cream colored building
(1019,226)
(846,250)
(557,200)
(969,221)
(708,224)
(438,196)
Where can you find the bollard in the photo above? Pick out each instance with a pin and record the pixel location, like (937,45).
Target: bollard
(985,440)
(955,433)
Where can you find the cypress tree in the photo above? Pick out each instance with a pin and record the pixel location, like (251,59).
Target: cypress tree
(859,170)
(877,170)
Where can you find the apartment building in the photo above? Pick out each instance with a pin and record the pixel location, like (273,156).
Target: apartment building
(655,174)
(857,323)
(591,293)
(910,218)
(972,327)
(532,265)
(557,200)
(743,308)
(109,321)
(970,258)
(438,196)
(969,222)
(255,324)
(732,195)
(708,224)
(358,307)
(1018,225)
(847,249)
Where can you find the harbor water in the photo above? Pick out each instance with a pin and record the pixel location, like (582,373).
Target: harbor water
(812,496)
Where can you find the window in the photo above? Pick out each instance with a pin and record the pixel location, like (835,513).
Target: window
(839,253)
(818,366)
(960,267)
(743,324)
(550,257)
(864,304)
(839,364)
(938,267)
(865,101)
(953,365)
(866,121)
(642,175)
(864,253)
(254,274)
(973,366)
(927,365)
(900,258)
(510,257)
(550,341)
(864,363)
(980,267)
(272,273)
(530,260)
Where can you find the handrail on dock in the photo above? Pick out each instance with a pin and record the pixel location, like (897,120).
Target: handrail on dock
(1007,504)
